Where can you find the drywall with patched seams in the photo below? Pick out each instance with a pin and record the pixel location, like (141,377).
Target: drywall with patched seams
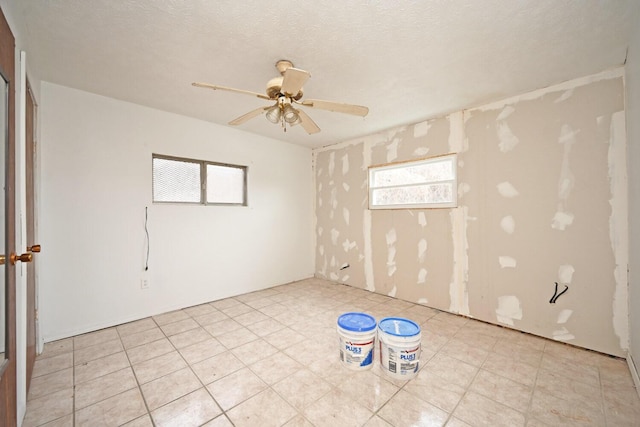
(541,209)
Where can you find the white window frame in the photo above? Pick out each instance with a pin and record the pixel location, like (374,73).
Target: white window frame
(399,165)
(203,181)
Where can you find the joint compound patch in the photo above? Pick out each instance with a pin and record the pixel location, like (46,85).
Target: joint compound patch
(392,292)
(508,140)
(422,250)
(506,189)
(392,150)
(423,301)
(508,309)
(508,224)
(421,129)
(561,220)
(346,186)
(421,151)
(334,236)
(422,275)
(564,315)
(422,219)
(332,162)
(565,273)
(507,262)
(563,335)
(345,164)
(345,215)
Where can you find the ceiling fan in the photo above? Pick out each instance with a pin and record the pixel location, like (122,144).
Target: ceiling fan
(287,91)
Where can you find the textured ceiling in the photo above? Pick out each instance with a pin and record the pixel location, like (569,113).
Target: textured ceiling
(406,60)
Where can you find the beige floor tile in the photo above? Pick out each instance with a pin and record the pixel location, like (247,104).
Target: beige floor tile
(48,408)
(454,422)
(261,302)
(404,409)
(149,350)
(572,370)
(93,338)
(236,338)
(56,348)
(467,353)
(273,310)
(52,364)
(199,310)
(190,337)
(298,421)
(369,390)
(615,372)
(142,338)
(376,421)
(97,351)
(235,388)
(193,409)
(101,388)
(572,390)
(432,341)
(220,421)
(507,367)
(474,339)
(216,367)
(622,405)
(222,327)
(519,353)
(254,351)
(336,409)
(250,318)
(502,390)
(265,409)
(180,326)
(50,383)
(302,388)
(284,338)
(265,327)
(435,390)
(275,367)
(203,350)
(170,387)
(481,411)
(225,303)
(332,370)
(209,318)
(170,317)
(143,421)
(99,367)
(113,411)
(135,327)
(66,421)
(453,370)
(555,411)
(237,310)
(157,367)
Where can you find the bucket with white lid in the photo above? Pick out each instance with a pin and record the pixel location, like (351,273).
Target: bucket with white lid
(357,336)
(400,348)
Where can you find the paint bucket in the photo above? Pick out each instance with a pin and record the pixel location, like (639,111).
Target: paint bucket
(357,336)
(399,347)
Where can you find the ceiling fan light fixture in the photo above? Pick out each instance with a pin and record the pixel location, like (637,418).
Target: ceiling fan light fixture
(290,114)
(274,115)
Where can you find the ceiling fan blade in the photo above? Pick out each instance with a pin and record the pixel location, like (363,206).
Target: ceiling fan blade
(230,89)
(250,115)
(356,110)
(309,125)
(293,81)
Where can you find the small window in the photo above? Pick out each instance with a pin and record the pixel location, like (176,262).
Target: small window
(428,183)
(177,180)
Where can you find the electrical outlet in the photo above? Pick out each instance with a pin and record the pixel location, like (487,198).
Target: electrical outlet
(144,284)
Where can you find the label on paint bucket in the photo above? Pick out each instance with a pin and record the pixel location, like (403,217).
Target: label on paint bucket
(399,347)
(356,332)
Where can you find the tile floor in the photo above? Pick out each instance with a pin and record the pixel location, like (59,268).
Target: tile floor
(270,358)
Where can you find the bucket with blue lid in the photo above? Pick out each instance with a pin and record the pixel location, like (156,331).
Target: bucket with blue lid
(357,336)
(400,347)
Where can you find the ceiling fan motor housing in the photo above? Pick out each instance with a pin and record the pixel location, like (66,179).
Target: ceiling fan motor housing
(275,85)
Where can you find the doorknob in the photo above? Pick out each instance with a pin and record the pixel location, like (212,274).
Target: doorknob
(34,248)
(25,257)
(3,259)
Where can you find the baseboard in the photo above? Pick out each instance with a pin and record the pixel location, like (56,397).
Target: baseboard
(634,372)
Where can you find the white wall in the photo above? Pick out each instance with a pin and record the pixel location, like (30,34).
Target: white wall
(95,185)
(633,135)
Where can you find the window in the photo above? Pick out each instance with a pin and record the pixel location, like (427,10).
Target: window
(177,180)
(428,183)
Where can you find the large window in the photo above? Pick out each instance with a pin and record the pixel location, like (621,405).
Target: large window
(428,183)
(177,180)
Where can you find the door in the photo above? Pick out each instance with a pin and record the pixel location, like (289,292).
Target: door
(7,228)
(30,151)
